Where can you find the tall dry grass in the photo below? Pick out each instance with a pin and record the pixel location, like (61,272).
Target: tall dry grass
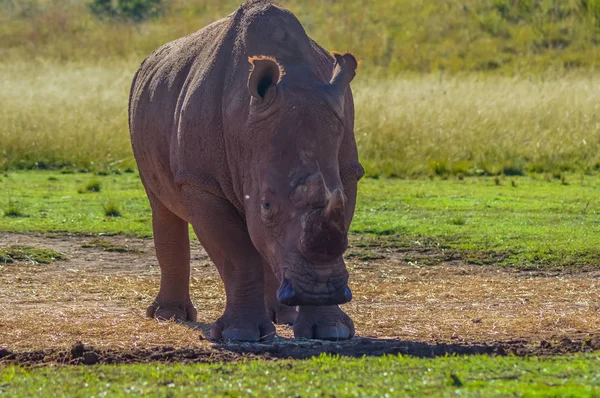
(61,114)
(479,125)
(55,115)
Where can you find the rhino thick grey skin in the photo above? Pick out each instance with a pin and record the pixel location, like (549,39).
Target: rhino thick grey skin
(245,129)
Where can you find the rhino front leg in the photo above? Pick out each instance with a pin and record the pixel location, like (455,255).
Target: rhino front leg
(172,244)
(279,313)
(223,233)
(327,322)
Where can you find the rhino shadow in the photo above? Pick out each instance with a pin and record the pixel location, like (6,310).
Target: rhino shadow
(287,348)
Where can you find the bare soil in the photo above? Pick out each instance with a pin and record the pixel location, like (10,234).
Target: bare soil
(99,294)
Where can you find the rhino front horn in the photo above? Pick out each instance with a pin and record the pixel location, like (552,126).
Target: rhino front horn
(324,237)
(334,213)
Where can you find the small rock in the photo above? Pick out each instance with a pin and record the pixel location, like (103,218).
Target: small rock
(4,353)
(476,320)
(545,344)
(566,342)
(90,358)
(77,350)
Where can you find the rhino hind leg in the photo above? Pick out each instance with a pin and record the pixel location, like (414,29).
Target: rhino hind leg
(172,244)
(327,322)
(278,313)
(223,234)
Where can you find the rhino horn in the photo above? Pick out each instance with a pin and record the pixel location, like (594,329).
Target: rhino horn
(334,213)
(324,236)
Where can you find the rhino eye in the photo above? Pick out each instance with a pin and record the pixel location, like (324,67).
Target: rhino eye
(266,206)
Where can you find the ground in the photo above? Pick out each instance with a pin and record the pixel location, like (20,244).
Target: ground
(98,296)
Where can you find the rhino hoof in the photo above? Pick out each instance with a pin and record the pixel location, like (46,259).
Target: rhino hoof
(323,323)
(282,314)
(184,312)
(232,329)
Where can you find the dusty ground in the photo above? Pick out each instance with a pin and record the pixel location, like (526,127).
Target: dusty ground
(99,297)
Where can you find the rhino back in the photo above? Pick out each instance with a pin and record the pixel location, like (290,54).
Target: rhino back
(189,101)
(170,125)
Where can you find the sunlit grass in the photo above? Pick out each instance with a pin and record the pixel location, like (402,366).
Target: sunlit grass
(535,222)
(56,115)
(386,376)
(479,125)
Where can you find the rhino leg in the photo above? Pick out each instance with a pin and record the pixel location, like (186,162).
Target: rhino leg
(224,236)
(172,243)
(279,313)
(324,323)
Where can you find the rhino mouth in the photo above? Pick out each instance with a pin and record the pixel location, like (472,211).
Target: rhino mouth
(293,292)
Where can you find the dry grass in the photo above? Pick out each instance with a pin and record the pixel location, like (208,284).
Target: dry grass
(470,125)
(55,114)
(99,298)
(74,114)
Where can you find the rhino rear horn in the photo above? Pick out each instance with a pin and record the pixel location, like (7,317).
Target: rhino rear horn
(264,77)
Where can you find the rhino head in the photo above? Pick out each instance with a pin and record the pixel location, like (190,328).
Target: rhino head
(296,209)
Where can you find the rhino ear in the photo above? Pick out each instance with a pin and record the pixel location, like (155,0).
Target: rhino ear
(264,77)
(343,71)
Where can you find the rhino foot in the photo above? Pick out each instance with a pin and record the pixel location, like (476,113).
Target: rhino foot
(282,314)
(323,323)
(242,328)
(162,310)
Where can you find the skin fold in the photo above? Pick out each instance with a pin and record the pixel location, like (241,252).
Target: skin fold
(245,130)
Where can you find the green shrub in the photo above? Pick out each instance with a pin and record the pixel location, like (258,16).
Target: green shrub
(112,209)
(126,10)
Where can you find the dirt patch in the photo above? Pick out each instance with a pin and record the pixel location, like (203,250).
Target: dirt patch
(287,349)
(433,308)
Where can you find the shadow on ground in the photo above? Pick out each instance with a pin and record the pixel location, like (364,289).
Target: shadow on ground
(282,348)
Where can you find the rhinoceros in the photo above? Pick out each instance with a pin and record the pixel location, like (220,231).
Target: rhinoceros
(245,130)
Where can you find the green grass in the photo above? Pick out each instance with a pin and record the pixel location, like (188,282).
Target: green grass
(54,204)
(30,254)
(112,209)
(538,222)
(571,376)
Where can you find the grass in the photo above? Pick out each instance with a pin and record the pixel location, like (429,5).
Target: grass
(112,209)
(405,127)
(539,222)
(91,186)
(454,88)
(390,36)
(80,124)
(479,126)
(108,246)
(54,204)
(13,209)
(323,376)
(30,254)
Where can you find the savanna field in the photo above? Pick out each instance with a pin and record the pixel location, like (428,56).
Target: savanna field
(474,251)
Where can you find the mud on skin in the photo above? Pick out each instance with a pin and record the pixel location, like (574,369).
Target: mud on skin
(245,130)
